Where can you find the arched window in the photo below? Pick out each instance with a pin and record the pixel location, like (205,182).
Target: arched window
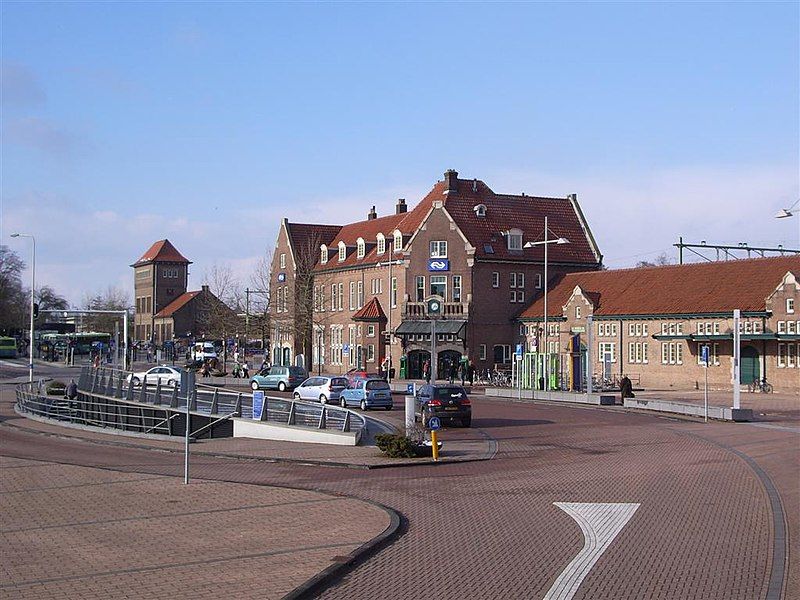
(342,251)
(398,240)
(381,243)
(480,210)
(361,248)
(323,254)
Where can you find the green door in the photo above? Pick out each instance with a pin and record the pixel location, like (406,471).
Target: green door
(750,370)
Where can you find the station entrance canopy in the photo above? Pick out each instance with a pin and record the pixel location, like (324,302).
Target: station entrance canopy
(443,327)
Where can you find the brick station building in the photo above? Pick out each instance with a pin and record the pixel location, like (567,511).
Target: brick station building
(651,323)
(374,283)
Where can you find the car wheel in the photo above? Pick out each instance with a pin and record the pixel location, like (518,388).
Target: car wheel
(466,422)
(135,381)
(281,387)
(388,408)
(342,402)
(254,385)
(363,405)
(323,399)
(296,396)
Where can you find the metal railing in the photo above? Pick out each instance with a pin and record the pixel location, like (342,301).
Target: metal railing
(107,397)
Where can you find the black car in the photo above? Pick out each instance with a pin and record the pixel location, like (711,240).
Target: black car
(448,402)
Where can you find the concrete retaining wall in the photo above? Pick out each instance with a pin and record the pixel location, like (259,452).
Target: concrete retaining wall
(265,430)
(596,399)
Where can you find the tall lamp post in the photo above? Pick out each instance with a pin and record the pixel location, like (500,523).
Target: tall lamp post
(546,242)
(33,292)
(389,316)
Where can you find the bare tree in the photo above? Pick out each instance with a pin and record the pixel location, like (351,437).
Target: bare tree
(306,257)
(13,308)
(659,261)
(49,299)
(112,298)
(258,308)
(221,307)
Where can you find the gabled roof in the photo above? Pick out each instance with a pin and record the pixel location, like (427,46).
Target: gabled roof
(504,212)
(709,287)
(371,311)
(161,251)
(301,234)
(174,306)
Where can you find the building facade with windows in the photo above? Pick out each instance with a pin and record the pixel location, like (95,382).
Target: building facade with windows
(652,323)
(457,258)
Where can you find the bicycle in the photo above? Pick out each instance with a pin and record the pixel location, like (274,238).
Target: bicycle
(759,385)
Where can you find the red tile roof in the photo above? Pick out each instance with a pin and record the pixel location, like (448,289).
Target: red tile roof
(302,234)
(504,212)
(176,304)
(371,311)
(161,251)
(708,287)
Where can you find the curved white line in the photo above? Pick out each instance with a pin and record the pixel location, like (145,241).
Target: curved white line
(600,524)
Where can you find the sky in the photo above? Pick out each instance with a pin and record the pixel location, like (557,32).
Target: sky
(206,123)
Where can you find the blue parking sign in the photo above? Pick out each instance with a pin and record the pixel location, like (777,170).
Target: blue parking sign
(258,404)
(434,423)
(704,354)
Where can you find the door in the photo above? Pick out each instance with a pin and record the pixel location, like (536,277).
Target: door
(750,370)
(448,359)
(416,358)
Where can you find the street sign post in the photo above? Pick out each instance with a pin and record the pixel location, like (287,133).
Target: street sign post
(258,404)
(704,356)
(411,389)
(434,423)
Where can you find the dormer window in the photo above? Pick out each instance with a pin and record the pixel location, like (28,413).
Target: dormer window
(361,248)
(480,210)
(323,254)
(381,243)
(514,238)
(398,241)
(342,251)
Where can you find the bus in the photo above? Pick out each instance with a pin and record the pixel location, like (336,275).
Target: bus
(8,347)
(83,343)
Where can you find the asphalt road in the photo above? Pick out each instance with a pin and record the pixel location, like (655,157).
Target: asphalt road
(717,512)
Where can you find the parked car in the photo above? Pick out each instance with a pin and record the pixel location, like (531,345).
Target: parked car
(324,389)
(448,402)
(366,394)
(278,378)
(170,376)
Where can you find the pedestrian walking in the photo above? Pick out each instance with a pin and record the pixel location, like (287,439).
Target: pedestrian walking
(452,372)
(462,371)
(426,371)
(245,370)
(471,372)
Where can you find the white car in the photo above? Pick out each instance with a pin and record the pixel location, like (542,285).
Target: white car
(170,376)
(322,389)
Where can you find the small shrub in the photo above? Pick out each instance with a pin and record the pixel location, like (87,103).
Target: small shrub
(396,446)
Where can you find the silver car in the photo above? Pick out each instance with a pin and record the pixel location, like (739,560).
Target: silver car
(321,388)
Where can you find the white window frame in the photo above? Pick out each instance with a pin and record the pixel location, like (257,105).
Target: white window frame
(381,244)
(790,327)
(419,285)
(351,304)
(342,251)
(283,260)
(323,254)
(370,330)
(438,248)
(781,327)
(393,293)
(512,280)
(781,356)
(790,306)
(538,281)
(398,241)
(514,239)
(456,286)
(361,248)
(440,280)
(495,279)
(577,312)
(360,293)
(482,352)
(604,348)
(791,358)
(520,295)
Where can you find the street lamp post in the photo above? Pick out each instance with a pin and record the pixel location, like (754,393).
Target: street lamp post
(33,292)
(546,242)
(793,210)
(389,316)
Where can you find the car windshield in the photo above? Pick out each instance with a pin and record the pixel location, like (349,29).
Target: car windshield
(377,385)
(339,382)
(450,393)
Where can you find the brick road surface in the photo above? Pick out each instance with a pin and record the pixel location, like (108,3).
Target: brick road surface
(705,527)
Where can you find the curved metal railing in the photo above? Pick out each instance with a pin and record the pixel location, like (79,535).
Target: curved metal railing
(107,398)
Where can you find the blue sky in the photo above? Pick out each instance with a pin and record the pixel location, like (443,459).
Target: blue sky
(206,123)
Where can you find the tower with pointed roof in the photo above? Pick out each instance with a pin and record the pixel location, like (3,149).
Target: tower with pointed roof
(160,276)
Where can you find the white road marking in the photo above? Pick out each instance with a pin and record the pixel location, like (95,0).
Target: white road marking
(600,524)
(5,363)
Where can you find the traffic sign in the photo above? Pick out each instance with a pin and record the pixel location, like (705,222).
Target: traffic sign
(411,389)
(345,348)
(434,423)
(519,350)
(704,354)
(258,404)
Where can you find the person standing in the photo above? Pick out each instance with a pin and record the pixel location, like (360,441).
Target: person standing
(426,371)
(245,369)
(471,373)
(452,372)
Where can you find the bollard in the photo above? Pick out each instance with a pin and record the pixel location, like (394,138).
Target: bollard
(410,420)
(434,446)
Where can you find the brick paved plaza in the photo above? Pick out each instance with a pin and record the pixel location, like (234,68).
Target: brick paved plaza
(108,516)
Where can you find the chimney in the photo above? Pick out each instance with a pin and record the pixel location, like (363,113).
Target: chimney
(450,181)
(204,289)
(401,207)
(372,214)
